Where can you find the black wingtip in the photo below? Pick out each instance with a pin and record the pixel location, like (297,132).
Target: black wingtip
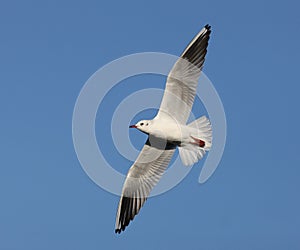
(207,26)
(119,230)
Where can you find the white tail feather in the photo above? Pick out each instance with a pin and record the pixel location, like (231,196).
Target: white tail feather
(190,153)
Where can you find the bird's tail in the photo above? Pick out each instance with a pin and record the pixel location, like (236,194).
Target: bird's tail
(200,141)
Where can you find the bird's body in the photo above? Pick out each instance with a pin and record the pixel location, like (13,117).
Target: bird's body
(168,130)
(172,132)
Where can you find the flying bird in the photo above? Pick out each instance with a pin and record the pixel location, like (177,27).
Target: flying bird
(167,131)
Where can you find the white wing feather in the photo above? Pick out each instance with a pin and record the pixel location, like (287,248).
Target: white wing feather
(183,79)
(141,178)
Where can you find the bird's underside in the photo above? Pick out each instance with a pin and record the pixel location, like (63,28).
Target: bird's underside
(156,154)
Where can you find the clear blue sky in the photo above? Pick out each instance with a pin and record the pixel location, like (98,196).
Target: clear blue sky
(50,48)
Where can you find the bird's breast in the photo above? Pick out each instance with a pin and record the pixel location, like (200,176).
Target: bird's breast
(169,132)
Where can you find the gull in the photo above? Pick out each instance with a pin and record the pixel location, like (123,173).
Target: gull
(167,131)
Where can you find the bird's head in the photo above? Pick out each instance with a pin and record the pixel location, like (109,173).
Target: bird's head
(143,126)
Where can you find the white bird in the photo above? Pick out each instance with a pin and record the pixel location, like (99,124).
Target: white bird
(167,131)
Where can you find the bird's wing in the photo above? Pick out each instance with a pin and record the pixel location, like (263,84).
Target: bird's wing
(183,79)
(141,178)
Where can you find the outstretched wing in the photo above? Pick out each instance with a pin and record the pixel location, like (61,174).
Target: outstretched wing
(183,79)
(141,178)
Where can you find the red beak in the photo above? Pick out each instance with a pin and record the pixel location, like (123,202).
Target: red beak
(132,126)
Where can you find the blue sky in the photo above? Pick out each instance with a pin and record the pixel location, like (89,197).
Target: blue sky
(48,51)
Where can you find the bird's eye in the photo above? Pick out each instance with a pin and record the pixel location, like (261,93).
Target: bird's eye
(141,123)
(147,124)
